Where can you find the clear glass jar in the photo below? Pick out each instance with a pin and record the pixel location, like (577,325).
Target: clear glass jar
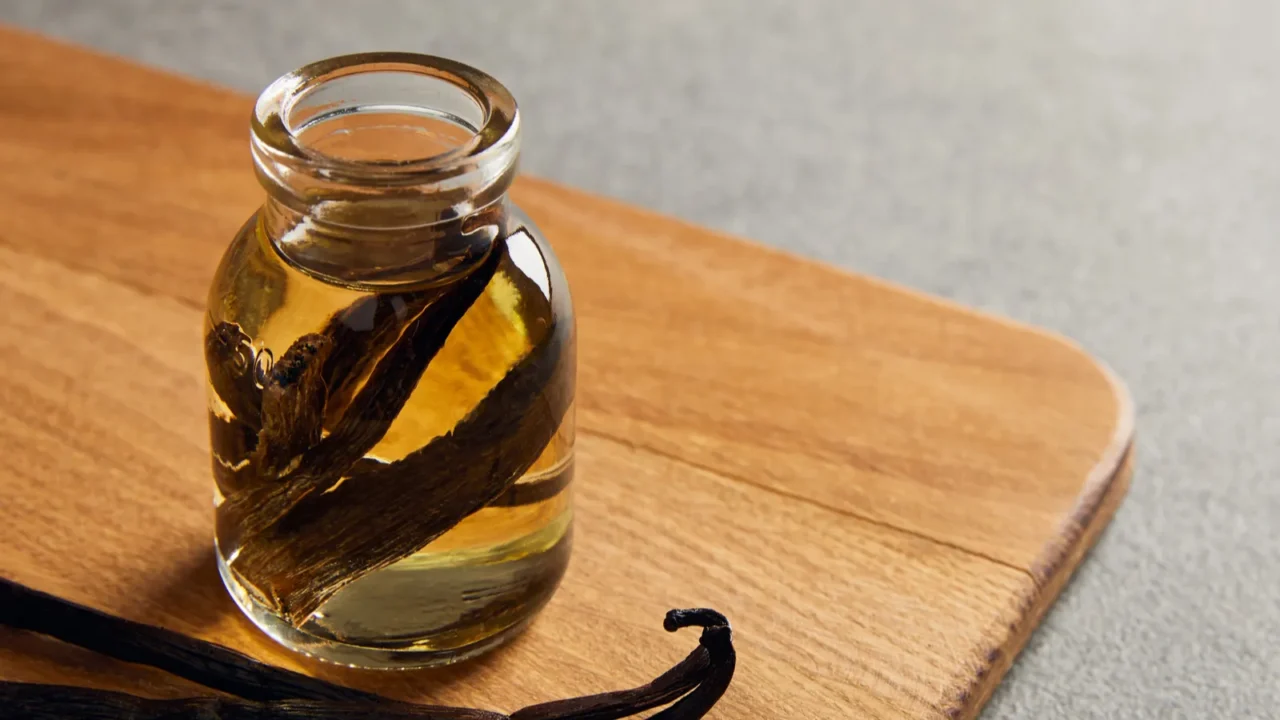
(390,346)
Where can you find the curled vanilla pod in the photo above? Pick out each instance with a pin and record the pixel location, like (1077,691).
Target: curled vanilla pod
(698,681)
(256,691)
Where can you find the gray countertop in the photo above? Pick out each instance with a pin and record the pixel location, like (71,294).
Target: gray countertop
(1107,169)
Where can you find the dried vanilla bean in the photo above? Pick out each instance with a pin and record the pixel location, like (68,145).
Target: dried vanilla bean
(366,419)
(460,472)
(353,340)
(267,693)
(717,639)
(704,675)
(361,334)
(293,401)
(33,701)
(368,415)
(528,492)
(210,665)
(296,569)
(291,414)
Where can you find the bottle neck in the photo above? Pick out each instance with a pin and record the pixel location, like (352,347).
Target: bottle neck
(380,257)
(385,168)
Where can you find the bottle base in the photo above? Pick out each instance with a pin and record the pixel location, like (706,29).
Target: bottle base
(400,655)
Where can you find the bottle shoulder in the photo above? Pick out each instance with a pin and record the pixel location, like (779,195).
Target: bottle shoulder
(258,290)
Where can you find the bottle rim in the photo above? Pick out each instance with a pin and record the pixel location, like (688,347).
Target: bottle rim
(417,190)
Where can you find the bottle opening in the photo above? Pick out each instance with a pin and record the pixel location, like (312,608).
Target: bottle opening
(392,139)
(385,168)
(384,118)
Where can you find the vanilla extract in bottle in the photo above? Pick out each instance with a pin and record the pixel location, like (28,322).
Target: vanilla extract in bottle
(390,347)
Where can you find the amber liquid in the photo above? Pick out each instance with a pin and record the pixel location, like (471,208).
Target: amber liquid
(485,578)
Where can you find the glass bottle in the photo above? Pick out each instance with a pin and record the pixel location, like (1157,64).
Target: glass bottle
(390,351)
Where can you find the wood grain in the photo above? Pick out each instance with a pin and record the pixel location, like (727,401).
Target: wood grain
(882,490)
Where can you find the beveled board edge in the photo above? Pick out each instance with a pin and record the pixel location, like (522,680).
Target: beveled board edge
(1096,505)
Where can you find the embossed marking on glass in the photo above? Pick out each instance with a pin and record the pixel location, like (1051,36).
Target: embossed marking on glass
(390,350)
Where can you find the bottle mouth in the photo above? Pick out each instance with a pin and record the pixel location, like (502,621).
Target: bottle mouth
(386,139)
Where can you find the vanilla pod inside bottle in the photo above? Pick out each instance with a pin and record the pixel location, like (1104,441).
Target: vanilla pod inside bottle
(391,360)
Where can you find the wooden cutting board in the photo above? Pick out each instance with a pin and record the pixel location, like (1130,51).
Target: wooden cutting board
(884,491)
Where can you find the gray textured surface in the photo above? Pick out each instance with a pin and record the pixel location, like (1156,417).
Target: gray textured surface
(1108,169)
